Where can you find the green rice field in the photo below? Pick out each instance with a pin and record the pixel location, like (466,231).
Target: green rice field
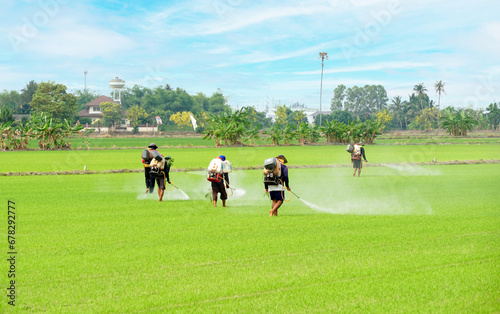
(196,158)
(196,140)
(403,237)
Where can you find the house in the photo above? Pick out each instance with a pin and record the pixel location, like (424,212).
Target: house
(93,110)
(310,113)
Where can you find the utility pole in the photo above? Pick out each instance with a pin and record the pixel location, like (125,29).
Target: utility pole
(85,80)
(322,56)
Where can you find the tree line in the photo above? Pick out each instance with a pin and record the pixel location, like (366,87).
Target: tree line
(237,127)
(358,113)
(51,112)
(417,112)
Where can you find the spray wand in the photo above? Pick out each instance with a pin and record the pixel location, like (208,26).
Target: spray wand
(173,186)
(294,194)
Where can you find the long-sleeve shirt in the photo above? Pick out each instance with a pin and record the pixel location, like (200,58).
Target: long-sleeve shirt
(283,178)
(363,153)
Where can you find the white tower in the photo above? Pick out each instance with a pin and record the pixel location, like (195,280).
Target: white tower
(117,84)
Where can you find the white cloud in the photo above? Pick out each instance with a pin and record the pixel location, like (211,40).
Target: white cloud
(371,67)
(91,42)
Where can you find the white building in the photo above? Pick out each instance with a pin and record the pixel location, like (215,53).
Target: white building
(310,113)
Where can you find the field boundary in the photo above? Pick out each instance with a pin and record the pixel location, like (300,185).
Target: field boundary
(81,172)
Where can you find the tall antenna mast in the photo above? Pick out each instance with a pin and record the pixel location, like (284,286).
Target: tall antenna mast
(85,74)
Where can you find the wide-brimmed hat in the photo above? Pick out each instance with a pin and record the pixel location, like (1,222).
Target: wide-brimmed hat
(282,157)
(153,146)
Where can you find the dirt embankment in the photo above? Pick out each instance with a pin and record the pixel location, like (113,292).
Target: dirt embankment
(80,172)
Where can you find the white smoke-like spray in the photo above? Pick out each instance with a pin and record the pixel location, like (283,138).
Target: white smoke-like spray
(335,191)
(413,170)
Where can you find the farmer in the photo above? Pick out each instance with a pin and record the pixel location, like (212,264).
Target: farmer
(277,192)
(161,175)
(150,182)
(357,154)
(220,186)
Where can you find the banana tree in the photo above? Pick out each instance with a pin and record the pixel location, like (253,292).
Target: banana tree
(289,134)
(253,134)
(370,129)
(25,134)
(275,134)
(354,131)
(68,130)
(313,134)
(6,135)
(302,133)
(328,128)
(213,130)
(466,123)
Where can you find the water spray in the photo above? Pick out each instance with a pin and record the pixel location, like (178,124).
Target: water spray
(174,186)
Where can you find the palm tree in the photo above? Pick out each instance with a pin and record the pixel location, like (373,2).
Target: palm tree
(322,57)
(439,88)
(396,107)
(420,90)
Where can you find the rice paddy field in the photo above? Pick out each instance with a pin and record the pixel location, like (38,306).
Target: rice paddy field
(408,235)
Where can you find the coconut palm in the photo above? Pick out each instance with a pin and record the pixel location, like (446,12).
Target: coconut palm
(439,88)
(410,110)
(396,107)
(420,90)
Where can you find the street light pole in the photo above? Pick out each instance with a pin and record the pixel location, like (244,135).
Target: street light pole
(322,56)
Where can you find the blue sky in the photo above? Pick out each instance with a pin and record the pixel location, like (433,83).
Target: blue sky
(257,52)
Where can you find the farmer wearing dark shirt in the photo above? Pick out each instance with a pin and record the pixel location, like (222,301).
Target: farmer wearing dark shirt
(277,192)
(150,181)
